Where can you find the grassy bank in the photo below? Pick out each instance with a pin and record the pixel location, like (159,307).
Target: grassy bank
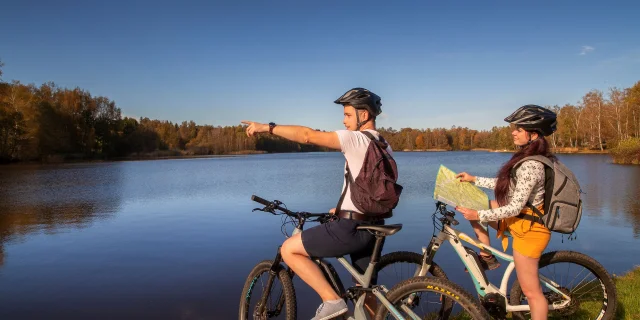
(581,151)
(627,152)
(628,287)
(424,150)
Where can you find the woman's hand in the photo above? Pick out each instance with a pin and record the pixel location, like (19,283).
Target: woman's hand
(332,211)
(469,214)
(465,177)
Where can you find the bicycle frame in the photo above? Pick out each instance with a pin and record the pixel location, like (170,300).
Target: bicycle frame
(472,263)
(334,280)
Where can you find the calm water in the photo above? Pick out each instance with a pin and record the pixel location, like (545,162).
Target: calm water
(175,239)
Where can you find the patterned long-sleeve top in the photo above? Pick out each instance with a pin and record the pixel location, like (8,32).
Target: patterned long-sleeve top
(529,186)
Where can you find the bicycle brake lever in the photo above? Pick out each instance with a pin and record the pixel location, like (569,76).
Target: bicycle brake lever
(265,209)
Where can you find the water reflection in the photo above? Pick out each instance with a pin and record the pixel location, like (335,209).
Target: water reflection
(612,191)
(631,201)
(176,239)
(43,199)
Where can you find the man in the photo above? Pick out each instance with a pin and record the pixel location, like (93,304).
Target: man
(338,237)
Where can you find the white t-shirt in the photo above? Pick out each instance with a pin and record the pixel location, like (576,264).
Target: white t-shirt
(354,145)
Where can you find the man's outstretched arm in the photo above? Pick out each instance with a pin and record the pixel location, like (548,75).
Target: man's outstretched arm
(297,134)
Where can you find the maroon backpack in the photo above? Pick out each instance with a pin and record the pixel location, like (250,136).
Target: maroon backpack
(375,191)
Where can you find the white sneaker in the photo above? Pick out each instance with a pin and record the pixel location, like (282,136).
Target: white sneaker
(331,309)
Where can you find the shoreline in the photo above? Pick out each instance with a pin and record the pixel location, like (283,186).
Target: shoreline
(557,151)
(135,157)
(168,155)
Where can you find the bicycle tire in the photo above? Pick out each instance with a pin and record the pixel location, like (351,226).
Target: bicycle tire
(409,257)
(437,285)
(549,258)
(263,267)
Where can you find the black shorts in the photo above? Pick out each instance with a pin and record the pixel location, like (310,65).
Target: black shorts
(340,238)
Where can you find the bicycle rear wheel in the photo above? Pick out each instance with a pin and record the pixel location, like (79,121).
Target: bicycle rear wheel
(585,280)
(423,296)
(281,299)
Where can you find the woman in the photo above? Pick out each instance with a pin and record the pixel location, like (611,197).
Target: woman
(531,123)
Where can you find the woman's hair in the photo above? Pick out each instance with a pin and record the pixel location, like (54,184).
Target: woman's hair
(536,147)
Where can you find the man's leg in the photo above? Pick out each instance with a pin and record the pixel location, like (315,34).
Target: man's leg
(297,258)
(319,241)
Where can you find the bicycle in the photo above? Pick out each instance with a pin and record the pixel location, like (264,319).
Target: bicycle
(392,302)
(562,300)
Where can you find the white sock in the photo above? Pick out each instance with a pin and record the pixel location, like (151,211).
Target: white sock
(334,301)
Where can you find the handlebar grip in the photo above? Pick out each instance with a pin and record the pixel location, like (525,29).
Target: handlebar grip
(260,200)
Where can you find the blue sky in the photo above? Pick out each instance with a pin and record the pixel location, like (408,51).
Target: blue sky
(465,63)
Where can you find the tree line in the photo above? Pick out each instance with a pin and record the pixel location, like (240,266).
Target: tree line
(41,122)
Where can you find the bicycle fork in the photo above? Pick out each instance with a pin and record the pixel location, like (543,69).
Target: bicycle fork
(428,253)
(262,305)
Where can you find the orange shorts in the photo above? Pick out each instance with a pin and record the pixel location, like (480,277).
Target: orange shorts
(529,238)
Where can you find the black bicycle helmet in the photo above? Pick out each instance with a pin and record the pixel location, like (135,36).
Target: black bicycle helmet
(361,98)
(534,118)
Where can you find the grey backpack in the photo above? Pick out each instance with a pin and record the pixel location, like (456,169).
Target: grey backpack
(562,203)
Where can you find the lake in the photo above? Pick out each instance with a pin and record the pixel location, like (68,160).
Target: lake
(175,239)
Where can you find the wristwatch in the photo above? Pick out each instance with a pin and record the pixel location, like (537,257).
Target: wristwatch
(271,126)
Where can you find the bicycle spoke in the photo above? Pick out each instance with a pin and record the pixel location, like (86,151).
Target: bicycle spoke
(577,275)
(578,285)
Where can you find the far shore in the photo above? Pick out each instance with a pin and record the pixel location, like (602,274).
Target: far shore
(557,150)
(167,155)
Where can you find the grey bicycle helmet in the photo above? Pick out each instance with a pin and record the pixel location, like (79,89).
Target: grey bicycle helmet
(534,118)
(361,98)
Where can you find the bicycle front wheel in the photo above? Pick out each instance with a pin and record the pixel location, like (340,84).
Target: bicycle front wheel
(397,266)
(281,298)
(585,280)
(422,298)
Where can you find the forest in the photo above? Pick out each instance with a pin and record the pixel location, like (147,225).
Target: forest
(51,123)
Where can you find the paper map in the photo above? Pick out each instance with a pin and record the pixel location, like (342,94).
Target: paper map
(451,191)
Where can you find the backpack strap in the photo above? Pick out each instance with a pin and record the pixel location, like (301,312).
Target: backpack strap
(529,217)
(381,143)
(348,178)
(546,161)
(535,210)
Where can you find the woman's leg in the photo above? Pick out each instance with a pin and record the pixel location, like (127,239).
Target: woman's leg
(482,234)
(527,272)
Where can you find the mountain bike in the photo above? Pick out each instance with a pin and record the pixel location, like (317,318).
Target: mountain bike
(588,294)
(269,293)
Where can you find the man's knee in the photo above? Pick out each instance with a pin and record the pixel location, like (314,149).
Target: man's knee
(293,245)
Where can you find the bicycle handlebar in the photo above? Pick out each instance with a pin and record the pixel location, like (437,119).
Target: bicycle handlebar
(272,205)
(451,219)
(276,205)
(260,200)
(448,216)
